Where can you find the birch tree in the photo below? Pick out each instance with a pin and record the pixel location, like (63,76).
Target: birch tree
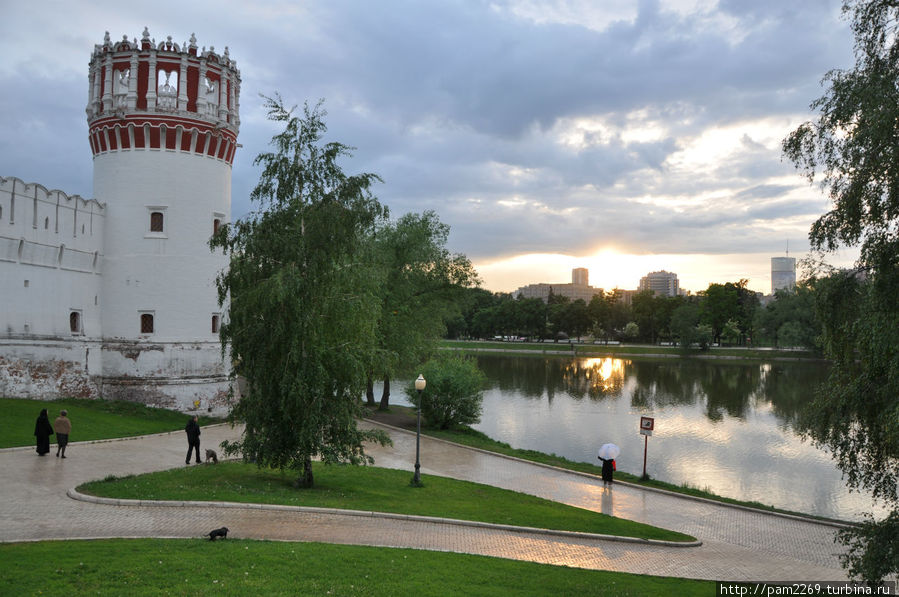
(302,301)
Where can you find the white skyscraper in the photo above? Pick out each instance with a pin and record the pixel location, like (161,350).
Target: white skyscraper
(662,283)
(783,273)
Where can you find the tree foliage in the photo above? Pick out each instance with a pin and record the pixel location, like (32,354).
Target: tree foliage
(683,324)
(852,147)
(453,392)
(720,305)
(472,302)
(302,301)
(790,319)
(609,314)
(652,314)
(422,288)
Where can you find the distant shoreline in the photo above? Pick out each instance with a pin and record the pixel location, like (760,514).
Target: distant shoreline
(582,349)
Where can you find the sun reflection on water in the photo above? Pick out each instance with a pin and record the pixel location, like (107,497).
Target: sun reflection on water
(595,376)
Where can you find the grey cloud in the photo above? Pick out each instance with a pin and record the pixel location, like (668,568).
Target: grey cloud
(43,134)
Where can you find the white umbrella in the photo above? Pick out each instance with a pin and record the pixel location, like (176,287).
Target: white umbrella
(608,451)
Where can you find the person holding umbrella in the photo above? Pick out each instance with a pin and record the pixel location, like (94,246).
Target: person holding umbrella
(608,453)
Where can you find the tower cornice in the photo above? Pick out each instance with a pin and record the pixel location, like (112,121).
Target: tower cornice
(148,95)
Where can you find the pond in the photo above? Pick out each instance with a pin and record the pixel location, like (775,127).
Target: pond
(725,426)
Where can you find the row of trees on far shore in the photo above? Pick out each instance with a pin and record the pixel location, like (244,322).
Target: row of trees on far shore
(727,313)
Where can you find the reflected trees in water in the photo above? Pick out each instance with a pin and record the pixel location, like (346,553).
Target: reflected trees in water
(724,389)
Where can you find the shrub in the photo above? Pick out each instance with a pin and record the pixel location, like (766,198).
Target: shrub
(453,393)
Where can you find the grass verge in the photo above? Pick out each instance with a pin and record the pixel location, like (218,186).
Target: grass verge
(370,489)
(91,419)
(404,417)
(196,567)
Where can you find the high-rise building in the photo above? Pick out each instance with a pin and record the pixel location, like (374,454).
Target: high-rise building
(578,289)
(662,283)
(580,276)
(783,273)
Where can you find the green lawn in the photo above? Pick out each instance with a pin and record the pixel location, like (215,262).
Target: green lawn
(91,419)
(370,489)
(242,567)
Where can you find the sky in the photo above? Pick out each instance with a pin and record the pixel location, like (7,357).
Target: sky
(621,136)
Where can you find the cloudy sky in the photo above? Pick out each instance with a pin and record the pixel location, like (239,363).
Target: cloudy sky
(622,136)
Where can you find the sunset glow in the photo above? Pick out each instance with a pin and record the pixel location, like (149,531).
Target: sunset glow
(611,269)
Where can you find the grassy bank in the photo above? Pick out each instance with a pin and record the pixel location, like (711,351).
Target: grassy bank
(197,567)
(593,350)
(370,489)
(404,417)
(91,419)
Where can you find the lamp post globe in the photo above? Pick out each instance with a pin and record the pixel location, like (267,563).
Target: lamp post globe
(419,386)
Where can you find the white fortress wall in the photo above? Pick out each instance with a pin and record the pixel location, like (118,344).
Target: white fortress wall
(51,256)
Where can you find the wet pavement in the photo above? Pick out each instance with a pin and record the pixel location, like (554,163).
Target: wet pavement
(737,544)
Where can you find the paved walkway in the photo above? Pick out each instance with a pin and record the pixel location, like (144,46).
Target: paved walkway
(737,544)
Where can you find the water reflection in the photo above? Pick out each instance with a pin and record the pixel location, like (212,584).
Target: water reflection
(722,425)
(723,388)
(594,378)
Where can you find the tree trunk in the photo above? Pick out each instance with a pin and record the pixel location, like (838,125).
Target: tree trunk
(369,391)
(385,395)
(305,480)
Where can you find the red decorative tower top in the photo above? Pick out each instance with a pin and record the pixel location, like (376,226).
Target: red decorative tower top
(163,96)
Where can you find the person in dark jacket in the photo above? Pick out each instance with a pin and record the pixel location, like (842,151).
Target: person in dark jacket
(42,431)
(608,468)
(193,438)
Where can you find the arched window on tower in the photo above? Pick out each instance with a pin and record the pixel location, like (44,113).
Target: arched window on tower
(167,90)
(75,322)
(157,221)
(212,97)
(157,226)
(216,323)
(146,323)
(120,93)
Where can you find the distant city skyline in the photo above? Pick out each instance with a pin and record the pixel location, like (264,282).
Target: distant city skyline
(610,270)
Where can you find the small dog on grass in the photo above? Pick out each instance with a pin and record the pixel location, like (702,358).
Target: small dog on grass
(211,455)
(222,532)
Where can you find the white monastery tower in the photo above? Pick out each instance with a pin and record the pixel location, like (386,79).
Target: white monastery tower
(163,123)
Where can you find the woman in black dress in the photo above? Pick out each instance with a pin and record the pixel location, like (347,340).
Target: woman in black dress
(42,431)
(608,468)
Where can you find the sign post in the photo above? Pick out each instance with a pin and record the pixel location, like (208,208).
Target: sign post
(647,424)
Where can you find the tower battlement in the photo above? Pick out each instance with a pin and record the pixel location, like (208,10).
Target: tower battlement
(164,96)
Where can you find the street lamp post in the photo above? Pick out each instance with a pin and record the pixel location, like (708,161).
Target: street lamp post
(419,386)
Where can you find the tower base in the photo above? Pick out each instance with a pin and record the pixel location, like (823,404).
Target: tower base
(188,377)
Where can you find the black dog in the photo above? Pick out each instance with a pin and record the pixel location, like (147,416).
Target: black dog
(222,532)
(211,455)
